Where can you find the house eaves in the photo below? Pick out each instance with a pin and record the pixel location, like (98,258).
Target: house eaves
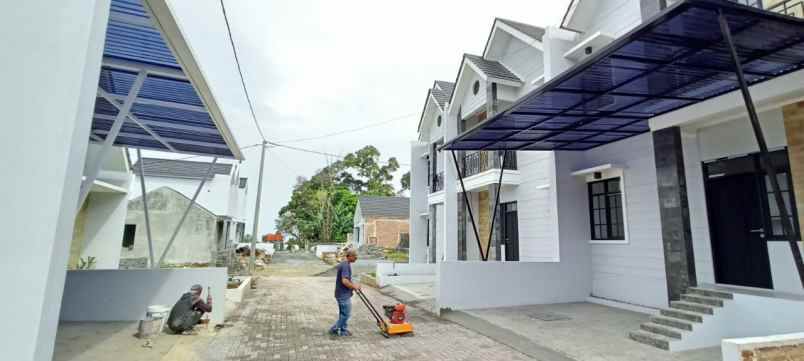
(528,34)
(439,94)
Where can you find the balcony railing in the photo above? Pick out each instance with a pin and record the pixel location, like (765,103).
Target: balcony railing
(793,8)
(479,162)
(437,183)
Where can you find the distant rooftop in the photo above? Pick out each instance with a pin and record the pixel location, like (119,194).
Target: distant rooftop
(156,167)
(391,207)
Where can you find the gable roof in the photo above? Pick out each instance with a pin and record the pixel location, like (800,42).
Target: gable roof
(377,206)
(171,168)
(532,31)
(492,68)
(440,93)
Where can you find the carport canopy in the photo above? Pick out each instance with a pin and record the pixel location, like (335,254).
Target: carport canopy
(674,60)
(150,74)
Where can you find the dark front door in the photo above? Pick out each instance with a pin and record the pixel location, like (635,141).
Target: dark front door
(510,231)
(739,247)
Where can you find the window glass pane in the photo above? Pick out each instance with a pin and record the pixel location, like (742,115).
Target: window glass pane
(782,177)
(598,188)
(618,228)
(614,185)
(604,234)
(595,202)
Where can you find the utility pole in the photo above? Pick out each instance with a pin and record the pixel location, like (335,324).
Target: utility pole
(256,228)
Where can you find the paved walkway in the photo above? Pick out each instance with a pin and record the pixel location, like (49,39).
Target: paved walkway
(287,319)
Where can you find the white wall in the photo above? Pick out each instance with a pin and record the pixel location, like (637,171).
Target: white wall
(389,273)
(124,295)
(418,203)
(50,72)
(613,17)
(477,284)
(538,236)
(103,230)
(696,198)
(632,272)
(783,268)
(467,101)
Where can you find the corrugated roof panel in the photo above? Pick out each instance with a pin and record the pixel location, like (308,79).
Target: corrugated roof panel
(675,60)
(171,106)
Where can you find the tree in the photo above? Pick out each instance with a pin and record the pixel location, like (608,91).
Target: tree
(321,208)
(405,181)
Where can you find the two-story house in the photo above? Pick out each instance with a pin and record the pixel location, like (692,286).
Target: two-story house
(659,194)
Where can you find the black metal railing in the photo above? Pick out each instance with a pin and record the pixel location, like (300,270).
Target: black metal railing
(437,183)
(479,162)
(793,8)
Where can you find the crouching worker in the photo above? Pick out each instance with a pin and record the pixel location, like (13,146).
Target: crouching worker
(187,312)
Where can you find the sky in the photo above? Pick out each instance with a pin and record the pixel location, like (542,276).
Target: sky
(317,67)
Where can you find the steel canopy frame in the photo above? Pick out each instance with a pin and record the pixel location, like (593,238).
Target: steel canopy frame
(674,60)
(484,254)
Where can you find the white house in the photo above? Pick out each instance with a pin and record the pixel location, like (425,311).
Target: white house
(112,73)
(639,182)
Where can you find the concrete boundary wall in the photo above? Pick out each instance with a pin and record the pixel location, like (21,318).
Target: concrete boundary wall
(475,285)
(389,273)
(124,295)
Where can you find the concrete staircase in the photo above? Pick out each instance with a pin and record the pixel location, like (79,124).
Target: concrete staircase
(680,320)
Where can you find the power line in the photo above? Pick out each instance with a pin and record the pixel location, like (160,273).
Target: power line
(312,151)
(240,71)
(367,126)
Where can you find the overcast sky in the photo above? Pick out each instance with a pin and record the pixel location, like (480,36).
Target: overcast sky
(316,67)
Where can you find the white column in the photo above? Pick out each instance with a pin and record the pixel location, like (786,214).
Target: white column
(450,226)
(418,202)
(50,71)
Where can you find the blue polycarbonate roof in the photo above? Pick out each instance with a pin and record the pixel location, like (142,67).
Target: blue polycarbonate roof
(677,59)
(169,106)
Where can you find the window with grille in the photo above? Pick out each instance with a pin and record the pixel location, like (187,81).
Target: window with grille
(774,216)
(606,210)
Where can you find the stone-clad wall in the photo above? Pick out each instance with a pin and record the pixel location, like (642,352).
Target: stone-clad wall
(794,127)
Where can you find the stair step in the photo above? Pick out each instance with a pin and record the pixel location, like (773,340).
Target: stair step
(650,339)
(684,315)
(665,331)
(710,293)
(704,300)
(672,322)
(694,307)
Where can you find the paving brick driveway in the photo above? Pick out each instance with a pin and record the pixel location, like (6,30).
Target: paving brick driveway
(287,318)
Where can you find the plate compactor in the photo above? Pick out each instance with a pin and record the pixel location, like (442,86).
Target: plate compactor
(395,325)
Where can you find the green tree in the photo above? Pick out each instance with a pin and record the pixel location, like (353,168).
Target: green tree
(321,208)
(405,181)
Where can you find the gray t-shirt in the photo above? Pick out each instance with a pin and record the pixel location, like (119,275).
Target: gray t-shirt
(344,270)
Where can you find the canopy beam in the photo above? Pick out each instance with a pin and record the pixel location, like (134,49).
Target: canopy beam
(146,128)
(110,137)
(141,161)
(764,155)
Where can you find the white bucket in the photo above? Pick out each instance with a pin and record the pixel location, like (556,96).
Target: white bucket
(158,312)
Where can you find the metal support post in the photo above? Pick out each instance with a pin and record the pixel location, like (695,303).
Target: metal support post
(151,263)
(187,210)
(764,156)
(496,204)
(468,204)
(122,113)
(256,228)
